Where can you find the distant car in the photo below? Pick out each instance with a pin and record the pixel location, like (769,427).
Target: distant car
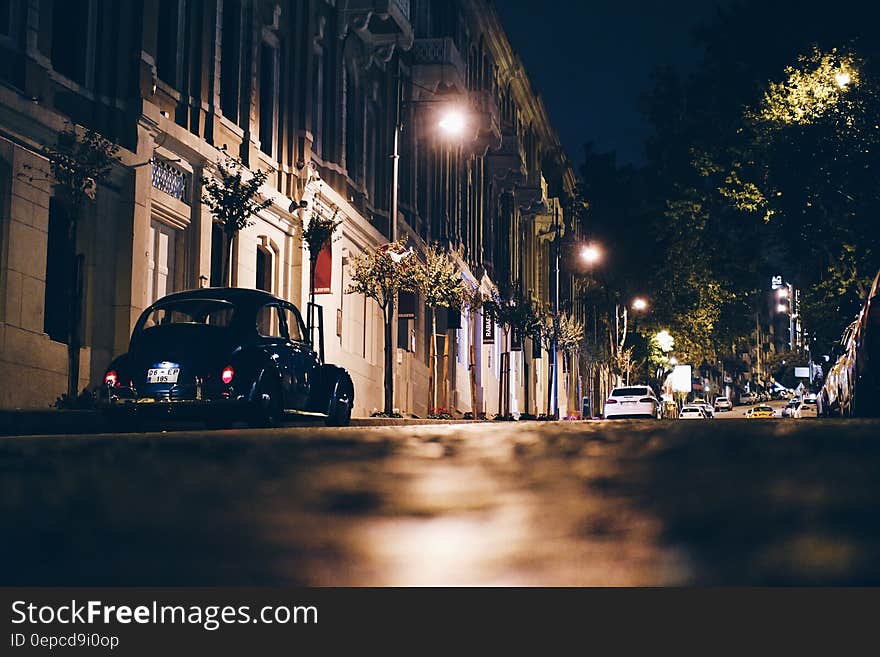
(748,398)
(692,412)
(707,409)
(761,411)
(805,409)
(789,407)
(632,401)
(224,354)
(723,404)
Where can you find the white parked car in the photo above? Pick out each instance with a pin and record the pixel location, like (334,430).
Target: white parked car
(692,412)
(632,401)
(806,408)
(723,404)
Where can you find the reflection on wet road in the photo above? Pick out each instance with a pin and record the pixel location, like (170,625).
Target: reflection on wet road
(597,503)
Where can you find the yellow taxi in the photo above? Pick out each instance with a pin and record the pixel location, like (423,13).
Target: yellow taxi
(760,411)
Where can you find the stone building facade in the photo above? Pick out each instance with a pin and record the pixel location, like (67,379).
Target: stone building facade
(308,91)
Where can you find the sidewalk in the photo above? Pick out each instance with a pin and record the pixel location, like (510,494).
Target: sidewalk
(52,421)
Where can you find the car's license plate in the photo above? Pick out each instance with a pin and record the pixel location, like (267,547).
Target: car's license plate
(163,375)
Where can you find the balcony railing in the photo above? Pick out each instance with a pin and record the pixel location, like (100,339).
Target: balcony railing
(171,179)
(436,61)
(381,22)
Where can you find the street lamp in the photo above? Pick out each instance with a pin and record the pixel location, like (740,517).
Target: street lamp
(591,254)
(453,122)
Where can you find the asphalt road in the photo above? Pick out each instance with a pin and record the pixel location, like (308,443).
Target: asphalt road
(570,503)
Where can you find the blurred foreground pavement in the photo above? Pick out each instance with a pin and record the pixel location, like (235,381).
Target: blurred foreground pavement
(741,502)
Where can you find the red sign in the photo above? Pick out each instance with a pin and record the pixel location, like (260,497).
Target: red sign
(324,270)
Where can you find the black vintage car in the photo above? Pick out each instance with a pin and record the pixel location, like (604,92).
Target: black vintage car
(225,354)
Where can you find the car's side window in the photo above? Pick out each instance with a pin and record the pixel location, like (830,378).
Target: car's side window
(269,322)
(295,327)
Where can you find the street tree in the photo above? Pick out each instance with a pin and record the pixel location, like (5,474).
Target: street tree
(440,284)
(564,334)
(316,236)
(514,310)
(80,161)
(381,274)
(473,299)
(232,196)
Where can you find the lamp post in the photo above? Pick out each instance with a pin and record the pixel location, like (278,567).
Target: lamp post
(555,311)
(591,254)
(452,123)
(639,304)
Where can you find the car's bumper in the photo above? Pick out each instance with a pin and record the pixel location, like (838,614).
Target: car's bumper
(621,411)
(147,407)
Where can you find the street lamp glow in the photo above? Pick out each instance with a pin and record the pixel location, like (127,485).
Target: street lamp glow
(781,308)
(842,79)
(591,254)
(665,341)
(783,293)
(639,304)
(453,122)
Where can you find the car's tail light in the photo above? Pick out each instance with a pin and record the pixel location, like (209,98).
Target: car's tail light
(646,399)
(227,374)
(611,401)
(110,378)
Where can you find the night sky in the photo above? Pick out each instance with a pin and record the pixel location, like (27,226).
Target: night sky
(590,61)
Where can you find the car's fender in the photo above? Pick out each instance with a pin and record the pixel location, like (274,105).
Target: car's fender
(329,377)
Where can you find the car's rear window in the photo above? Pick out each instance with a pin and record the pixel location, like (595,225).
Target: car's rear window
(204,312)
(721,399)
(629,392)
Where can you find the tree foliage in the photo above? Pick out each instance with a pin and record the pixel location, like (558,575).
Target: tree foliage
(763,161)
(79,162)
(232,196)
(381,274)
(567,333)
(319,232)
(439,279)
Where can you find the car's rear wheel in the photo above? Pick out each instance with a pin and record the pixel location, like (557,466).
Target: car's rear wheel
(267,410)
(339,408)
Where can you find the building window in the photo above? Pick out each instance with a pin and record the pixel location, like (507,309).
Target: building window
(264,268)
(168,41)
(230,60)
(6,17)
(354,140)
(317,103)
(70,29)
(59,285)
(268,97)
(165,247)
(218,253)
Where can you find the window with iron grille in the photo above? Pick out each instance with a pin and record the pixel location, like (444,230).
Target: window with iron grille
(171,179)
